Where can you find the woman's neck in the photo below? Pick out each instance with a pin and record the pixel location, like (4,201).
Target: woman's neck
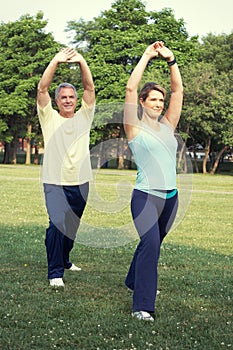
(153,123)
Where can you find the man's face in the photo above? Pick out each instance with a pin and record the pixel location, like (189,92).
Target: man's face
(66,102)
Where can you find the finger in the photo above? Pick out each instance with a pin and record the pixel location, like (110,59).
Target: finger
(67,50)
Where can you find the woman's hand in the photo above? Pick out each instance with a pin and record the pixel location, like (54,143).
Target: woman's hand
(163,51)
(151,51)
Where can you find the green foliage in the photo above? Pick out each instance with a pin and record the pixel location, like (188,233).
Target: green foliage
(24,50)
(3,128)
(208,100)
(114,42)
(218,50)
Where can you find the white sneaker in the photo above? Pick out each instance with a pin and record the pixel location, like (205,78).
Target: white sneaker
(74,268)
(143,315)
(56,282)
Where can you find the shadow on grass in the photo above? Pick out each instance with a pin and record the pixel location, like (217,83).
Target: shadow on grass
(194,308)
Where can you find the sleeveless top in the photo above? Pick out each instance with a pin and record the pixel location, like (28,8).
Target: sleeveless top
(154,153)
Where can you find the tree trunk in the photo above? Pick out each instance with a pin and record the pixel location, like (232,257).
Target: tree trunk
(195,162)
(15,143)
(127,157)
(6,158)
(120,150)
(36,158)
(181,161)
(100,156)
(22,148)
(28,150)
(216,163)
(207,151)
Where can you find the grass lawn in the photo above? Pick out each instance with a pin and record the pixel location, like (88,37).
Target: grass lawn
(194,308)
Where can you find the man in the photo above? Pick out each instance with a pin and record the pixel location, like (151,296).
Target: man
(66,164)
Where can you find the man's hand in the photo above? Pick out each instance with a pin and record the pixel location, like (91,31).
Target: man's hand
(76,58)
(67,55)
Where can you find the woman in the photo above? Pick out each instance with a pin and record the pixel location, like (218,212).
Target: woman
(155,198)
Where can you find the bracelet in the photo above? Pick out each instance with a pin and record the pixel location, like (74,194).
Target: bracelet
(171,62)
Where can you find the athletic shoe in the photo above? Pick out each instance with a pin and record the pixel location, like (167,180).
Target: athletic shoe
(56,282)
(143,315)
(74,268)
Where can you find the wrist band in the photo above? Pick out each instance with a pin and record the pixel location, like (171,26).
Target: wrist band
(171,62)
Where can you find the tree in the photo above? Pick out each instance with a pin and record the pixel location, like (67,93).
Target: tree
(114,42)
(25,50)
(207,111)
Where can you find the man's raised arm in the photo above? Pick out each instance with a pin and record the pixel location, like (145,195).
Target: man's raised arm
(63,56)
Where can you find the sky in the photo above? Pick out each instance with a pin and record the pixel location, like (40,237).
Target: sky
(201,16)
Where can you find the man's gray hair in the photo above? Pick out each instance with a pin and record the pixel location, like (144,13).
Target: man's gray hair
(64,85)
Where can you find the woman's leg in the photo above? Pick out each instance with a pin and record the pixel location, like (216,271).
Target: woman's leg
(142,276)
(167,216)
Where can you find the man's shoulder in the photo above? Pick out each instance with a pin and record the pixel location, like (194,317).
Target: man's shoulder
(46,113)
(86,111)
(45,108)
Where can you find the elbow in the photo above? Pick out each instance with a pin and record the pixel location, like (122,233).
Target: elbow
(178,91)
(129,89)
(182,89)
(41,89)
(92,88)
(181,92)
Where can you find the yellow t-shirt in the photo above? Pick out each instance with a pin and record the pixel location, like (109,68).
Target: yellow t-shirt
(66,158)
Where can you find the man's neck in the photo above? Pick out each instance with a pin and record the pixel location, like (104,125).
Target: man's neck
(68,115)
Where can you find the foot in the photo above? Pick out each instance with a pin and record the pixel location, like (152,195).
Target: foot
(143,315)
(74,268)
(56,282)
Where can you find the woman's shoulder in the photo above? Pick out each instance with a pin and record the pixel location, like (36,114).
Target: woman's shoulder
(164,121)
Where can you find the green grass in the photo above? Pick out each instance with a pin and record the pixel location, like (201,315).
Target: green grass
(194,308)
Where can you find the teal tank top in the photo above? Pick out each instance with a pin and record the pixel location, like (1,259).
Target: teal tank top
(154,153)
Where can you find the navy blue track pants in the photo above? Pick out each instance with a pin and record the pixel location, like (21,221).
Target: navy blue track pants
(65,206)
(153,218)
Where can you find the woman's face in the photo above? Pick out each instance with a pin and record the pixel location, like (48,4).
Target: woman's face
(154,103)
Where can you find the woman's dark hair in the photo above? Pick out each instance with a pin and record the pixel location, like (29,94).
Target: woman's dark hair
(145,90)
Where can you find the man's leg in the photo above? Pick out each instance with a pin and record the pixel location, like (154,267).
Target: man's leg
(76,197)
(54,242)
(57,206)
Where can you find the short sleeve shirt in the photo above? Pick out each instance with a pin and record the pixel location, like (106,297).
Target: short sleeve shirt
(66,158)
